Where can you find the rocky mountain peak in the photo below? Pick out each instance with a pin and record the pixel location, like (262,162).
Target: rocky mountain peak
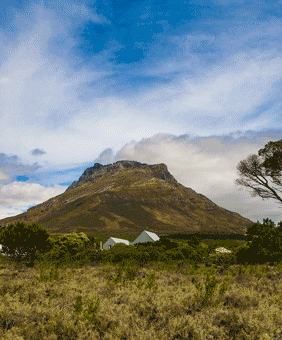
(127,197)
(98,170)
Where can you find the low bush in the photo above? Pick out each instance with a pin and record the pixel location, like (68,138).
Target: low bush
(225,260)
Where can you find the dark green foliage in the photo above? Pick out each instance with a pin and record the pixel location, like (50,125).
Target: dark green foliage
(175,254)
(56,256)
(92,239)
(165,242)
(193,254)
(272,152)
(258,229)
(266,245)
(78,304)
(119,252)
(86,256)
(20,238)
(225,260)
(194,240)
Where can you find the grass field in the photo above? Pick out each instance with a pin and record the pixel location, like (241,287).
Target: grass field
(158,301)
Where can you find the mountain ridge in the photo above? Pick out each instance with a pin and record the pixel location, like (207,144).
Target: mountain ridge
(128,197)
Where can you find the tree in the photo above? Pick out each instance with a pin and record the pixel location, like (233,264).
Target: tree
(255,169)
(71,243)
(258,229)
(20,238)
(266,245)
(273,154)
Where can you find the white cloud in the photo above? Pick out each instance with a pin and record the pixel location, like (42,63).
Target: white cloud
(41,104)
(16,197)
(208,166)
(234,88)
(4,176)
(39,90)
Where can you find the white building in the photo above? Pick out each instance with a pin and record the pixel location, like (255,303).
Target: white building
(145,236)
(112,241)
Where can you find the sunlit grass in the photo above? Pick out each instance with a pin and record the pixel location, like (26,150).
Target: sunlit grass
(158,301)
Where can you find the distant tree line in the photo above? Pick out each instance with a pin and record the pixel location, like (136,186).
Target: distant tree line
(32,243)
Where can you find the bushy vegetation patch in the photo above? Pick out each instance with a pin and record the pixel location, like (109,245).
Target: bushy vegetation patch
(166,289)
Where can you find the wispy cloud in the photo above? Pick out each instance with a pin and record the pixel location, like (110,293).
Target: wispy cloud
(208,166)
(135,81)
(17,197)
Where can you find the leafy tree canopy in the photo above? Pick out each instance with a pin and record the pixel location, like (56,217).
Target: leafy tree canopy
(255,170)
(266,246)
(20,238)
(258,229)
(71,243)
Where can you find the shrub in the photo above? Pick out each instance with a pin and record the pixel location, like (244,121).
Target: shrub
(191,253)
(119,253)
(52,275)
(71,243)
(266,245)
(164,242)
(78,305)
(85,256)
(56,256)
(20,238)
(226,260)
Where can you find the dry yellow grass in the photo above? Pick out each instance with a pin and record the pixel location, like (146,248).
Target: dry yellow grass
(159,303)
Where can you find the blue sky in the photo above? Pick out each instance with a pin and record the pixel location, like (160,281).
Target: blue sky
(192,84)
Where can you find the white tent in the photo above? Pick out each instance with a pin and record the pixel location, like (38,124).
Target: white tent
(112,241)
(146,236)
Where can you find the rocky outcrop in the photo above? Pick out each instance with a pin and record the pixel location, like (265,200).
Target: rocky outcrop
(159,171)
(127,197)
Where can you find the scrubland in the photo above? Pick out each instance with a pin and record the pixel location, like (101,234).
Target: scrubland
(158,300)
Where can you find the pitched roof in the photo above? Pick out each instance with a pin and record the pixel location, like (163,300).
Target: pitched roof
(119,239)
(153,236)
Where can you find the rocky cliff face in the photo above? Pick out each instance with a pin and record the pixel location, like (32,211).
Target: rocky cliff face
(92,174)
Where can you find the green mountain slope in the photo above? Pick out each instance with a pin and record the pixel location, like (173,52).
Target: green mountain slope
(126,198)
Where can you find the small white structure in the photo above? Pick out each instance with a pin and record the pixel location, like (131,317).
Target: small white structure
(112,241)
(146,236)
(222,250)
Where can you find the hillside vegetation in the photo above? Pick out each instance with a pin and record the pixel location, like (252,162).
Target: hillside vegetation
(126,198)
(169,289)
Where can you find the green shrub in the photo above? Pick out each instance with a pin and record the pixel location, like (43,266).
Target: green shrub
(78,305)
(205,298)
(90,313)
(71,243)
(163,242)
(51,276)
(85,256)
(225,259)
(56,256)
(20,238)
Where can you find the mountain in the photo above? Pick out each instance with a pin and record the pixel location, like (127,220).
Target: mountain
(126,198)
